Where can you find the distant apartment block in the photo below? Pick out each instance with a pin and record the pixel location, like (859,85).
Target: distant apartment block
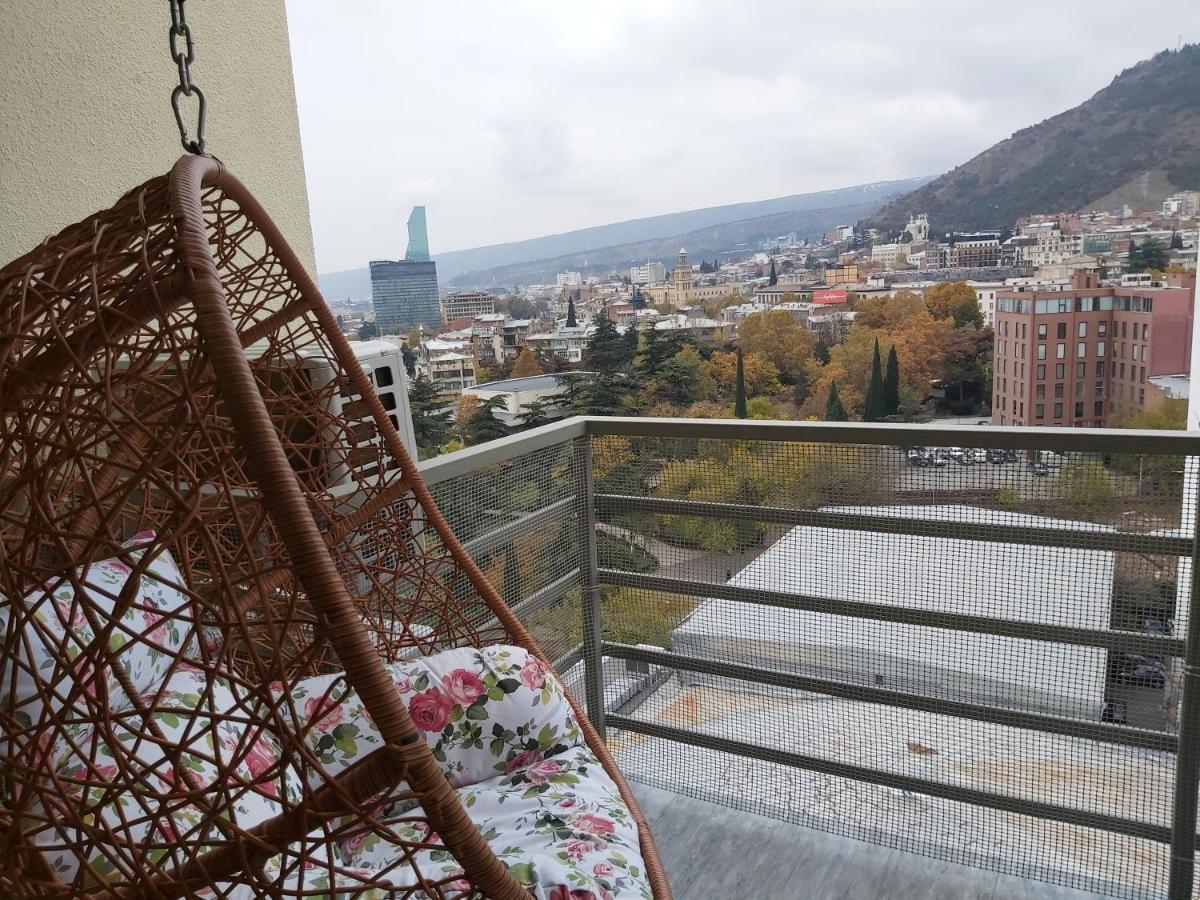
(1183,204)
(651,273)
(1072,355)
(405,292)
(460,304)
(568,279)
(974,251)
(886,254)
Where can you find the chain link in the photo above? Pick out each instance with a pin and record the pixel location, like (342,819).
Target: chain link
(184,56)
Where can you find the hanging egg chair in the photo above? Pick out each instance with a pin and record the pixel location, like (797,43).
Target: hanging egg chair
(221,675)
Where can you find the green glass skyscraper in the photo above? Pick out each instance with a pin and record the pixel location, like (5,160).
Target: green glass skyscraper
(405,292)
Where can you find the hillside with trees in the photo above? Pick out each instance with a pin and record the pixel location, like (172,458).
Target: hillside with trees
(1143,128)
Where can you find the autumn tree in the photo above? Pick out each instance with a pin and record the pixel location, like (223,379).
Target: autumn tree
(779,338)
(526,365)
(719,376)
(873,409)
(739,394)
(834,411)
(891,384)
(887,312)
(954,300)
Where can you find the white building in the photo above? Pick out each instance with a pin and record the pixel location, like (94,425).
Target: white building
(985,293)
(568,343)
(460,304)
(568,279)
(940,575)
(517,393)
(887,254)
(1183,204)
(651,273)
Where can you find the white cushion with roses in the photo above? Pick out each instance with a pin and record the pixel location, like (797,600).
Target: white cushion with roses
(483,712)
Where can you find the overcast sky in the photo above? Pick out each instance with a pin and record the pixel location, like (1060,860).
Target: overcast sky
(518,119)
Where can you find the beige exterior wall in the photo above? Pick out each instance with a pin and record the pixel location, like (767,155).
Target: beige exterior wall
(85,88)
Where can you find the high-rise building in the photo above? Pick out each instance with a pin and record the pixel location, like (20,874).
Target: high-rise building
(405,292)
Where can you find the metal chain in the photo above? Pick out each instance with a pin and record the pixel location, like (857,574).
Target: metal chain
(186,88)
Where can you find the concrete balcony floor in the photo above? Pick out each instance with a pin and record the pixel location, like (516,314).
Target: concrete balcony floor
(712,852)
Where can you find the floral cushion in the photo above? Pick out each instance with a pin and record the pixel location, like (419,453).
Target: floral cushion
(483,712)
(156,627)
(219,730)
(560,826)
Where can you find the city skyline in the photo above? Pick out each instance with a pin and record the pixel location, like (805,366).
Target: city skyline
(731,105)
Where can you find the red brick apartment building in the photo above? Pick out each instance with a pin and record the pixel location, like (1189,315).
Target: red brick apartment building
(1072,356)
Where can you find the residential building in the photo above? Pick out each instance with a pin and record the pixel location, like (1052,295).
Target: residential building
(513,336)
(651,273)
(974,251)
(567,343)
(985,293)
(405,292)
(467,303)
(1071,355)
(450,372)
(568,279)
(1183,204)
(886,254)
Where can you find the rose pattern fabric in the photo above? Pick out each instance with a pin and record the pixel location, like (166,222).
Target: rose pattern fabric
(483,713)
(569,835)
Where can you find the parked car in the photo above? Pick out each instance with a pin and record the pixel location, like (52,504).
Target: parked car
(979,455)
(1011,456)
(996,457)
(939,458)
(1142,676)
(1039,469)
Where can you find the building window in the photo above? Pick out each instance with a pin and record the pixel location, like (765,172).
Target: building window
(1145,331)
(1041,351)
(1143,352)
(1081,370)
(1041,391)
(1060,351)
(1142,375)
(1042,332)
(1041,372)
(1099,388)
(1101,329)
(1098,408)
(1122,370)
(1081,349)
(1100,349)
(1079,390)
(1124,329)
(1062,330)
(1060,371)
(1058,391)
(1039,411)
(1079,410)
(1141,396)
(1083,329)
(1058,410)
(1100,369)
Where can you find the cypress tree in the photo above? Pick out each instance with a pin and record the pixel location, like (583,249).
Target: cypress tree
(891,384)
(739,397)
(874,410)
(774,278)
(571,320)
(834,411)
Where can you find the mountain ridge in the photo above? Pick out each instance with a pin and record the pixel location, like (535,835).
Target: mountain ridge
(1147,119)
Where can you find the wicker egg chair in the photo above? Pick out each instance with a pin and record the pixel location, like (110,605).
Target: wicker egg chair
(197,625)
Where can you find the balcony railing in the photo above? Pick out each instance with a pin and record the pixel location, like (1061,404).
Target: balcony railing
(976,651)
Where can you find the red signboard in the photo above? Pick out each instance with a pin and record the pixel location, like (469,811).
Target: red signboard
(829,298)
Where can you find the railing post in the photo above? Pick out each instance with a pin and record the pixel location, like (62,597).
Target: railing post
(1187,761)
(593,661)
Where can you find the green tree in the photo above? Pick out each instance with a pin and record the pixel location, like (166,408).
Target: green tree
(678,378)
(657,349)
(1150,254)
(875,406)
(773,279)
(739,395)
(891,384)
(537,412)
(410,360)
(430,416)
(1176,240)
(367,331)
(482,424)
(572,322)
(834,411)
(602,394)
(607,350)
